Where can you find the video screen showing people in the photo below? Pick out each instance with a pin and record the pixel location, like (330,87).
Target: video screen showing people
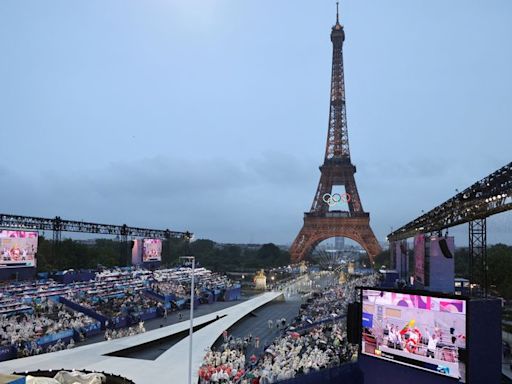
(421,331)
(152,250)
(18,249)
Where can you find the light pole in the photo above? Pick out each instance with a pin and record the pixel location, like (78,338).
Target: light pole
(191,331)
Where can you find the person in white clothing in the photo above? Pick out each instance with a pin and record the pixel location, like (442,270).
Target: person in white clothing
(432,344)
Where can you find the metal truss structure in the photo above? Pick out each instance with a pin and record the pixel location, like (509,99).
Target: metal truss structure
(58,225)
(487,197)
(478,251)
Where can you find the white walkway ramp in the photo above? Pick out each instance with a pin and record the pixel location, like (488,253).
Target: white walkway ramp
(169,367)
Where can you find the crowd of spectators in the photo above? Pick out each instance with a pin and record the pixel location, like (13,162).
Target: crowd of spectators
(176,281)
(293,354)
(48,318)
(332,301)
(111,334)
(225,365)
(119,293)
(22,330)
(314,340)
(31,310)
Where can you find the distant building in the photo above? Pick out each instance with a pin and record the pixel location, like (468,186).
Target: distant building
(339,243)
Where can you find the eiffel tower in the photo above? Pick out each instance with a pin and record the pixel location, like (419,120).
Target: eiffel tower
(323,222)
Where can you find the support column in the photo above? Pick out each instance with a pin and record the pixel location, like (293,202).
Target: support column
(478,254)
(125,255)
(57,236)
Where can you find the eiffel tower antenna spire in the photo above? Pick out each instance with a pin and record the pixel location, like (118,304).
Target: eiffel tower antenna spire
(337,14)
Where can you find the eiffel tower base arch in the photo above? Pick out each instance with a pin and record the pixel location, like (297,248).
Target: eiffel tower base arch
(317,229)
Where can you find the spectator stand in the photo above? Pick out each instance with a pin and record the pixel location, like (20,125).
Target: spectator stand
(52,314)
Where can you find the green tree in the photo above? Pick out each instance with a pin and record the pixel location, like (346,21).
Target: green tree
(383,258)
(499,260)
(268,252)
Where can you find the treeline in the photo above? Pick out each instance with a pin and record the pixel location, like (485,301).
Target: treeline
(499,267)
(233,257)
(70,254)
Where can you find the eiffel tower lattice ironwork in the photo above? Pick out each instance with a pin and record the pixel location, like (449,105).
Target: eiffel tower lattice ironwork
(322,221)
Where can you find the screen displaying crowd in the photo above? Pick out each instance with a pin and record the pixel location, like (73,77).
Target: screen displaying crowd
(152,250)
(18,249)
(421,331)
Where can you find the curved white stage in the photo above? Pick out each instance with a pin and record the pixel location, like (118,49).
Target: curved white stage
(171,366)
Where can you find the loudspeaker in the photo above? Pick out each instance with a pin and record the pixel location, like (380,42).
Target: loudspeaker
(444,248)
(354,323)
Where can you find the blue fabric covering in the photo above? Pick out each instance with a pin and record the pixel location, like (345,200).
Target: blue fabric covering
(21,380)
(7,353)
(54,337)
(119,322)
(169,298)
(232,293)
(91,329)
(150,313)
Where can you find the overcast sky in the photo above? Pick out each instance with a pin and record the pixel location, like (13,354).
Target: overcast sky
(212,116)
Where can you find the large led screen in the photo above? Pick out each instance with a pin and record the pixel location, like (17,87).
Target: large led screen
(136,252)
(152,250)
(425,332)
(18,249)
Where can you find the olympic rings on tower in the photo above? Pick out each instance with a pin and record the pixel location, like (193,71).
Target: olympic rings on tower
(335,198)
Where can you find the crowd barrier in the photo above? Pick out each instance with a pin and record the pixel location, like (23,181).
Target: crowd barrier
(52,338)
(149,313)
(216,293)
(7,353)
(90,330)
(232,293)
(119,322)
(149,293)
